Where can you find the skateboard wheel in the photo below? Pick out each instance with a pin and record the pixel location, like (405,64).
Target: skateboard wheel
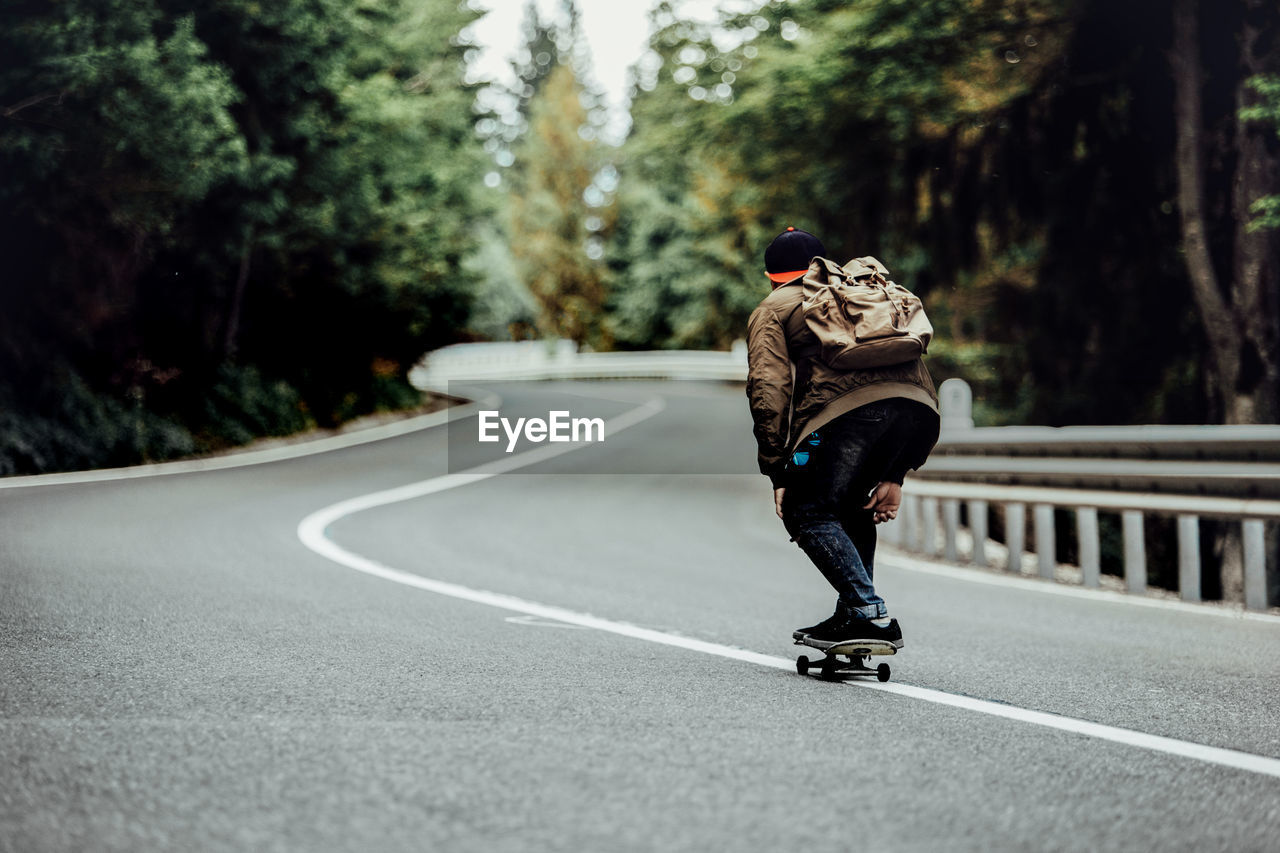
(802,665)
(882,672)
(829,669)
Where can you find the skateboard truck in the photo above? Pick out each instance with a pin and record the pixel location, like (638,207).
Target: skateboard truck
(856,656)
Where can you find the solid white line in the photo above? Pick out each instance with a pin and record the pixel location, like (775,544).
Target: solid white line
(1185,749)
(255,457)
(896,558)
(312,533)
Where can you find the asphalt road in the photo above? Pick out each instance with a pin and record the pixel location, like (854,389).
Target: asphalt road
(180,670)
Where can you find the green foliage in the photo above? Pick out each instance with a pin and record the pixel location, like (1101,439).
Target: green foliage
(986,367)
(547,214)
(1267,86)
(278,190)
(503,307)
(556,205)
(72,426)
(829,117)
(243,405)
(126,110)
(1010,161)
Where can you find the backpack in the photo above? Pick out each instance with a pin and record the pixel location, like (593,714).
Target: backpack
(861,317)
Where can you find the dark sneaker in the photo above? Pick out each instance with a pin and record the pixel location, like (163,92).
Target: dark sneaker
(840,632)
(836,620)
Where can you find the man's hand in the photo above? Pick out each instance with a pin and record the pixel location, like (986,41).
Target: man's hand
(885,501)
(777,500)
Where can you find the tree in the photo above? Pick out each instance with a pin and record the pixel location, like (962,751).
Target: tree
(683,257)
(557,180)
(549,213)
(1228,162)
(226,222)
(115,122)
(852,120)
(1012,161)
(1234,269)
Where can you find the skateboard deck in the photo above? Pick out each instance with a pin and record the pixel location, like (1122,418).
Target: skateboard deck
(857,655)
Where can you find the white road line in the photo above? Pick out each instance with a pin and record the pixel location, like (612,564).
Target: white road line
(312,533)
(535,622)
(899,559)
(255,457)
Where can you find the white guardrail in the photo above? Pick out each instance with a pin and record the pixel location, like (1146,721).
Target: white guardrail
(1184,472)
(561,360)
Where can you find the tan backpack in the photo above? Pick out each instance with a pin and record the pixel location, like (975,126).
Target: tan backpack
(861,317)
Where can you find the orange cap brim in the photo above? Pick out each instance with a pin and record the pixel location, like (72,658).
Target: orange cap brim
(784,277)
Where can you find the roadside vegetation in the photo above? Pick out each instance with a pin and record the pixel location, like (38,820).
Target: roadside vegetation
(1082,191)
(254,218)
(242,220)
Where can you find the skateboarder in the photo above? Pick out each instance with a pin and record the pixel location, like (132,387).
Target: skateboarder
(835,444)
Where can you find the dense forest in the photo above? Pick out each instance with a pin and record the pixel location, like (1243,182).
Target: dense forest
(238,220)
(255,218)
(1077,189)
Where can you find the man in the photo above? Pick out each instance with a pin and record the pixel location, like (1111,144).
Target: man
(836,444)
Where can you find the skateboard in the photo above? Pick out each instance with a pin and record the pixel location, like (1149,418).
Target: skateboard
(857,655)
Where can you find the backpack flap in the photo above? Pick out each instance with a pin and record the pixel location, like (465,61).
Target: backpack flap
(861,317)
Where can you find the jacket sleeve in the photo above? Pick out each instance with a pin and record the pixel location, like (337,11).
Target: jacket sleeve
(898,471)
(769,390)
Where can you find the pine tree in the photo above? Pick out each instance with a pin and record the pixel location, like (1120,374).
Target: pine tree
(549,213)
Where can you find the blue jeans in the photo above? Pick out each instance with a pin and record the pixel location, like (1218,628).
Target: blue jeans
(829,478)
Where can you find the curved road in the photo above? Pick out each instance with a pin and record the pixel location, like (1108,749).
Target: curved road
(581,650)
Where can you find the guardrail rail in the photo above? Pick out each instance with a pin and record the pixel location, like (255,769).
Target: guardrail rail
(1183,472)
(530,360)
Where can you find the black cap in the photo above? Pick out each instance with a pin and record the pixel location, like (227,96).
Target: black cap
(791,251)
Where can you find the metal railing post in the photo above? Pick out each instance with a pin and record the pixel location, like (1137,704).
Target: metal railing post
(1015,535)
(1255,564)
(929,517)
(978,529)
(1046,546)
(1087,546)
(1135,552)
(950,524)
(911,522)
(1189,557)
(891,531)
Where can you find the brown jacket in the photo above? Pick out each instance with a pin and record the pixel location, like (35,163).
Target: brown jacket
(785,409)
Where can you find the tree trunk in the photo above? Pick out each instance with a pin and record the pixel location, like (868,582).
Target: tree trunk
(1241,320)
(230,342)
(1216,315)
(1255,289)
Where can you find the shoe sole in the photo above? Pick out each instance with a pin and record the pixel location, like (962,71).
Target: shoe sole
(823,645)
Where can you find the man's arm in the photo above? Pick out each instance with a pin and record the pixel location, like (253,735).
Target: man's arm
(769,390)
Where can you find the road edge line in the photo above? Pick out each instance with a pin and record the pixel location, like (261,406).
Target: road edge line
(247,458)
